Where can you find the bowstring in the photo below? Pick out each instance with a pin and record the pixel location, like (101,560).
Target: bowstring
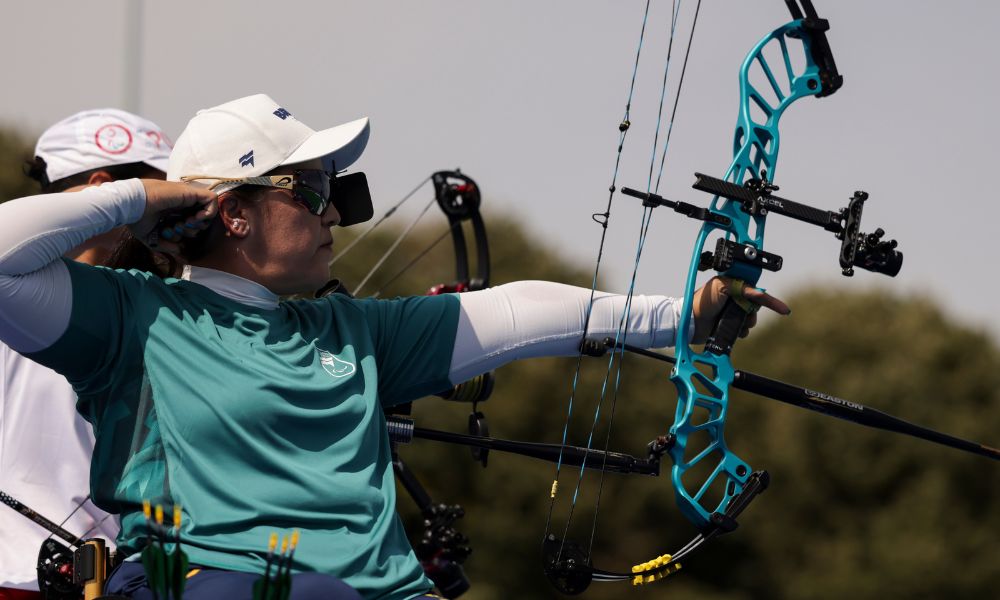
(78,506)
(381,220)
(621,334)
(415,260)
(680,84)
(396,242)
(392,248)
(94,526)
(621,331)
(602,220)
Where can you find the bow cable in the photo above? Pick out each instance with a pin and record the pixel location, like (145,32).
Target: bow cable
(621,332)
(645,222)
(381,220)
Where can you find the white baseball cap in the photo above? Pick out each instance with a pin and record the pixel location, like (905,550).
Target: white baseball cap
(98,138)
(253,135)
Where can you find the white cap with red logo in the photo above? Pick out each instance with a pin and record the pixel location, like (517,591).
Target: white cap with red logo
(104,137)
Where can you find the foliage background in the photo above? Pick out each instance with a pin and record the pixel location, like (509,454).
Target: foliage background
(850,512)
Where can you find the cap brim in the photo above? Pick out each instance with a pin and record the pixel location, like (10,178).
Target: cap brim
(160,164)
(338,146)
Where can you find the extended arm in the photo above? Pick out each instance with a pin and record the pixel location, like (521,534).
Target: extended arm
(529,319)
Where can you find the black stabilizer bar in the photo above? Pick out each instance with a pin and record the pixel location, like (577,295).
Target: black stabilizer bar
(828,220)
(616,462)
(690,210)
(40,520)
(827,405)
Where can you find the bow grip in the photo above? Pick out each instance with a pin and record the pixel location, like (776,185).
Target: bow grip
(727,329)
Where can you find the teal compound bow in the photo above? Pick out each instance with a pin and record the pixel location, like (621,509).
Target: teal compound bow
(712,484)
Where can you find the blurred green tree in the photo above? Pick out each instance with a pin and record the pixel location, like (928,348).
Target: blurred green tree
(15,148)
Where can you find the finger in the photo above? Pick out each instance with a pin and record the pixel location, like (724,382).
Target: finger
(766,300)
(208,209)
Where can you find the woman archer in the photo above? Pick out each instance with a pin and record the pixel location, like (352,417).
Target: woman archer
(253,413)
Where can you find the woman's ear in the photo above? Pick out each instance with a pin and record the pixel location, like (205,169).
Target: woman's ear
(99,177)
(233,214)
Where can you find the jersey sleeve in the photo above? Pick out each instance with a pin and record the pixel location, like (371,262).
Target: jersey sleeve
(413,340)
(35,232)
(96,342)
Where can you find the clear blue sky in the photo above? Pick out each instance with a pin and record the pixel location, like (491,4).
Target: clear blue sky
(526,96)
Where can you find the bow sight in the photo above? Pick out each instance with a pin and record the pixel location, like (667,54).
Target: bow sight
(867,251)
(745,261)
(857,249)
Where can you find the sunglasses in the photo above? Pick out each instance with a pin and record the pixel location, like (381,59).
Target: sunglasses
(309,187)
(315,190)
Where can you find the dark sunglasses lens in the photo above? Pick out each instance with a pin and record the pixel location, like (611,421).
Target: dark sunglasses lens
(312,190)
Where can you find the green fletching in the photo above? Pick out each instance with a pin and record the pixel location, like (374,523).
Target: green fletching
(153,561)
(178,568)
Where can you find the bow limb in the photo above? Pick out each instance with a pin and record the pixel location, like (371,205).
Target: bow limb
(459,198)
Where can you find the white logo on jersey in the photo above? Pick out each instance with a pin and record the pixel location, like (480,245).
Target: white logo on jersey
(335,366)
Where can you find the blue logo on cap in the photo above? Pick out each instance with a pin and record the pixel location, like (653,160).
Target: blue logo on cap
(282,114)
(247,159)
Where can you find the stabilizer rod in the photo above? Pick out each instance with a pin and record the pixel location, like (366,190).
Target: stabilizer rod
(829,405)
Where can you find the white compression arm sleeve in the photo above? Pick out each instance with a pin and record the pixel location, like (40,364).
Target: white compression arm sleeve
(538,318)
(35,294)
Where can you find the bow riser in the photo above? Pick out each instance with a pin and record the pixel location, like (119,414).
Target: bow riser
(703,379)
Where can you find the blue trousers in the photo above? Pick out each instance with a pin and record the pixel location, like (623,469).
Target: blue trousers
(129,579)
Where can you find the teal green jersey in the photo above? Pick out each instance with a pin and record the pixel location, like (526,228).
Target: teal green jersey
(253,420)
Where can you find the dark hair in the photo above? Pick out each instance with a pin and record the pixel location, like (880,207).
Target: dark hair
(37,169)
(128,253)
(191,249)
